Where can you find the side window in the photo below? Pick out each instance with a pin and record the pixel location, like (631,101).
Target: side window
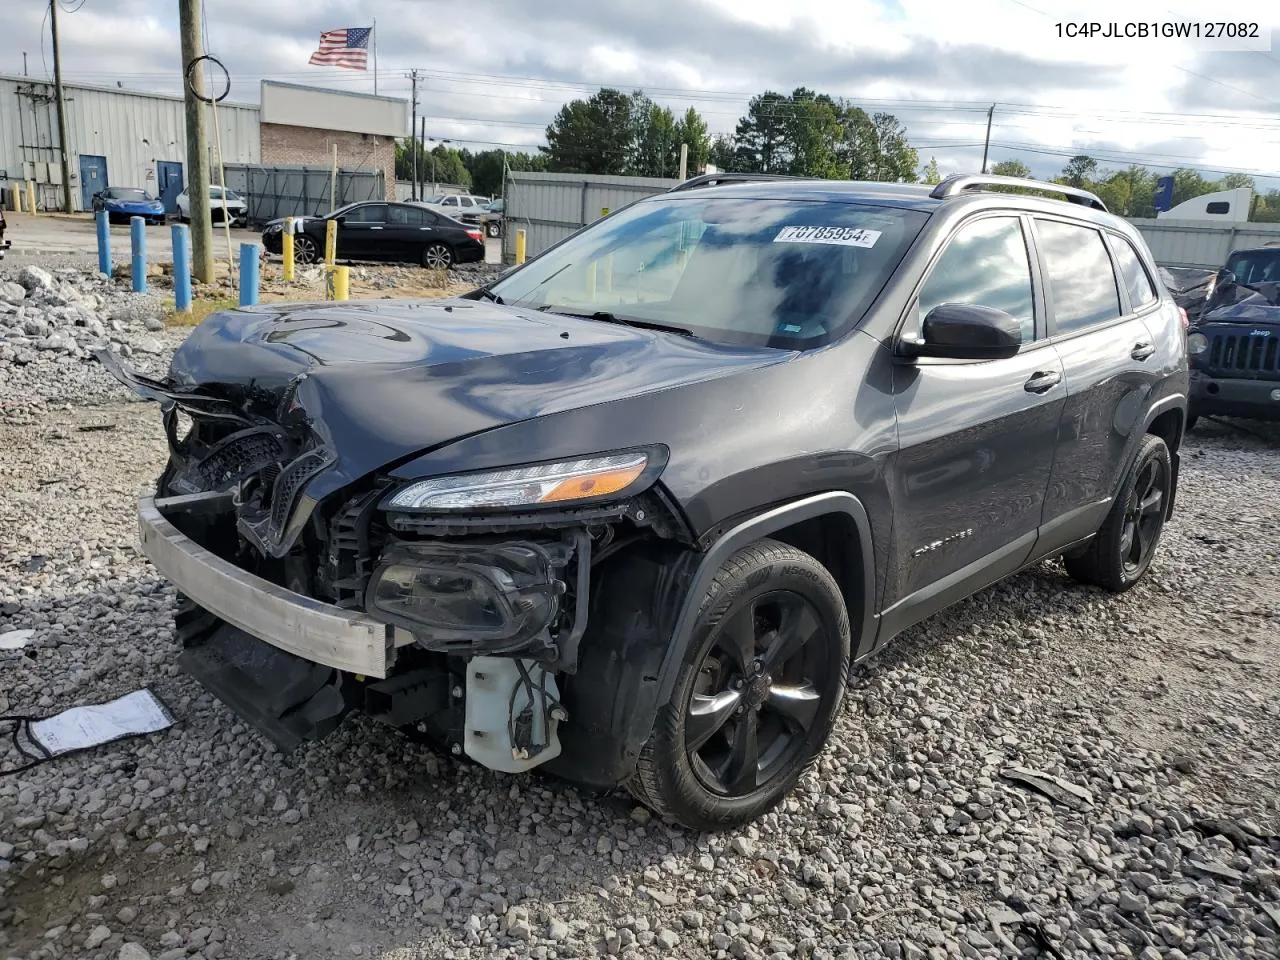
(985,263)
(1079,273)
(405,216)
(373,213)
(466,201)
(1132,274)
(449,201)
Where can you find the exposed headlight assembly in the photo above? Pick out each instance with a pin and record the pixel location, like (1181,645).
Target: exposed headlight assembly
(1197,344)
(562,482)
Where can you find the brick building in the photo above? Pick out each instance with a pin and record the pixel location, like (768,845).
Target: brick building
(302,125)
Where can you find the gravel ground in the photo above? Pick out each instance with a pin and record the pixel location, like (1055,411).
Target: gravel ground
(908,839)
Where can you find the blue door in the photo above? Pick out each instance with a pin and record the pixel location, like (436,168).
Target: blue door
(93,178)
(169,178)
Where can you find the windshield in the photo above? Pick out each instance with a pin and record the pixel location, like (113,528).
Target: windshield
(786,273)
(127,193)
(1255,266)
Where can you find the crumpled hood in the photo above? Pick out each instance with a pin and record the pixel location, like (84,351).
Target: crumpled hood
(379,381)
(1246,311)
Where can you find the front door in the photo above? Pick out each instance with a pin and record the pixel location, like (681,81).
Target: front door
(362,233)
(93,178)
(169,181)
(976,438)
(1106,348)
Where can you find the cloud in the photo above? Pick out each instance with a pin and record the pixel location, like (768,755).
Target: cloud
(498,71)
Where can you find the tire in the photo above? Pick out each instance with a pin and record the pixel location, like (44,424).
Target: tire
(765,672)
(305,249)
(1126,543)
(492,229)
(437,256)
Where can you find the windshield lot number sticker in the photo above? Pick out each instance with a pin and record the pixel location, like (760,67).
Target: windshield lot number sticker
(841,236)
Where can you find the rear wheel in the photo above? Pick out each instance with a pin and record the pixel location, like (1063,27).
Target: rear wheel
(756,695)
(305,249)
(493,229)
(1122,551)
(437,257)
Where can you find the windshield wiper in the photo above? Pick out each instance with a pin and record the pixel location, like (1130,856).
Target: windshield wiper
(604,316)
(490,295)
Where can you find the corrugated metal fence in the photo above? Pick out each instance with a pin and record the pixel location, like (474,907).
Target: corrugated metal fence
(550,206)
(1191,243)
(295,191)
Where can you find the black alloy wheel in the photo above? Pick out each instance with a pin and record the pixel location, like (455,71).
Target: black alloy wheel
(1144,516)
(757,694)
(1122,550)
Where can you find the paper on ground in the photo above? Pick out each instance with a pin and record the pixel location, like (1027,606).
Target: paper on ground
(82,727)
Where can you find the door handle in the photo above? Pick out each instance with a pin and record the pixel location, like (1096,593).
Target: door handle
(1142,349)
(1042,381)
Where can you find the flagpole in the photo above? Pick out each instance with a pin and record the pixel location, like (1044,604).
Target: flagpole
(375,56)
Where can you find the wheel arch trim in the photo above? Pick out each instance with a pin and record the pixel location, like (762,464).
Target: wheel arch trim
(756,528)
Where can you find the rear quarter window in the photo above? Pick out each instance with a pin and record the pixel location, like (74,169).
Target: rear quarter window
(1082,285)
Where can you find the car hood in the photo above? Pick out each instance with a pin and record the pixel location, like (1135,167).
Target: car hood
(1252,311)
(378,382)
(147,204)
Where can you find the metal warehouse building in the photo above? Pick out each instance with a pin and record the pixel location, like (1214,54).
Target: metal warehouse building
(122,138)
(129,138)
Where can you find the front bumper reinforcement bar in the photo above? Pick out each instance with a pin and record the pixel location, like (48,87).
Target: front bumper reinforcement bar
(303,626)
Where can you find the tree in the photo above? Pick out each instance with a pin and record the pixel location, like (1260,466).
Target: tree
(691,129)
(724,154)
(894,158)
(444,165)
(657,150)
(812,132)
(1011,168)
(596,135)
(760,137)
(929,173)
(1188,183)
(1234,181)
(1079,170)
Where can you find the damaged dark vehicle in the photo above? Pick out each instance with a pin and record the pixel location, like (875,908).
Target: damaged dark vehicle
(627,514)
(1234,341)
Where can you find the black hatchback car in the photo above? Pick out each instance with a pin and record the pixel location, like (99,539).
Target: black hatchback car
(401,232)
(628,513)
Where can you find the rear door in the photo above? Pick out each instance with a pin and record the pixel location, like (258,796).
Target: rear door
(1096,322)
(362,233)
(976,438)
(408,230)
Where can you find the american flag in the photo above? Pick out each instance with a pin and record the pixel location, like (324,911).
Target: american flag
(348,47)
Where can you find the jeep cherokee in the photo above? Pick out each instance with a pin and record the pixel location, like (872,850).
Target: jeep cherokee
(629,513)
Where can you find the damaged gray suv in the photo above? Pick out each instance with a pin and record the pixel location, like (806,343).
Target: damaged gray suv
(628,514)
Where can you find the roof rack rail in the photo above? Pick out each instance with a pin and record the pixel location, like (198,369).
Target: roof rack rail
(714,179)
(960,182)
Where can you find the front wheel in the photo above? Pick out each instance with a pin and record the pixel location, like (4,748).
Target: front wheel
(305,249)
(1126,543)
(437,257)
(492,229)
(757,692)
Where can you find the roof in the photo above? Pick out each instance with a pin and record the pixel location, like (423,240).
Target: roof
(907,195)
(119,91)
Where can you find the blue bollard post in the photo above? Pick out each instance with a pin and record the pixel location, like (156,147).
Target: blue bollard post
(138,242)
(181,268)
(248,274)
(104,242)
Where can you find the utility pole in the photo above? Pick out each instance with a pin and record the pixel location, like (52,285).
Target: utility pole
(422,139)
(62,109)
(986,144)
(413,135)
(24,63)
(197,143)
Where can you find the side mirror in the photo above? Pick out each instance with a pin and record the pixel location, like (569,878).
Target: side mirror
(1225,278)
(341,220)
(965,331)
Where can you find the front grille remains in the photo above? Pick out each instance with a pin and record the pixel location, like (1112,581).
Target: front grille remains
(1248,355)
(289,482)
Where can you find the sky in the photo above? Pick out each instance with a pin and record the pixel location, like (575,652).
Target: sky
(494,72)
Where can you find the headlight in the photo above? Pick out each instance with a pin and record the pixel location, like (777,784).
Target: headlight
(547,483)
(1197,343)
